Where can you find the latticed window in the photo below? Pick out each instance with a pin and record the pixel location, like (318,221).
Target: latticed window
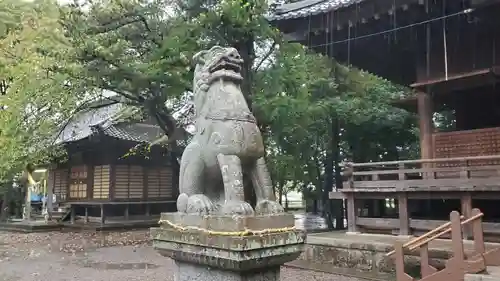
(129,182)
(101,182)
(160,182)
(78,182)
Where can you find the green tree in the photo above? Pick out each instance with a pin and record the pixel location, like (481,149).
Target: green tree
(135,49)
(35,97)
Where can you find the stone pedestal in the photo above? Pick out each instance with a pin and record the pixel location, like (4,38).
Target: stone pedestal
(231,248)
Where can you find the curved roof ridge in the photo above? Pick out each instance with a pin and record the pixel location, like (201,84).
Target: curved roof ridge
(307,8)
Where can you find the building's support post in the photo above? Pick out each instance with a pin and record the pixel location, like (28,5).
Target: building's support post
(73,215)
(86,214)
(126,214)
(103,218)
(426,127)
(351,213)
(148,210)
(404,218)
(466,210)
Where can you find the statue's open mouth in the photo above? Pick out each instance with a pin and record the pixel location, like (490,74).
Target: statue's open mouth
(225,64)
(228,68)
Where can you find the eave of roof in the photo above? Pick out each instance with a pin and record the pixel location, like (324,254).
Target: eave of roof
(307,8)
(102,121)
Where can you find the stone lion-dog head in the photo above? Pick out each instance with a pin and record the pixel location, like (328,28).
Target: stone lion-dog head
(216,64)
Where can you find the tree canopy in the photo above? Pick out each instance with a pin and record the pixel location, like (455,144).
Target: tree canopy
(35,97)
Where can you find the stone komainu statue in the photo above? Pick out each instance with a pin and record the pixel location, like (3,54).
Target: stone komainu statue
(227,143)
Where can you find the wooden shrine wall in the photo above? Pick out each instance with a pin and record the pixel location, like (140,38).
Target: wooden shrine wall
(137,182)
(467,143)
(160,182)
(470,46)
(102,180)
(132,182)
(58,180)
(78,182)
(129,182)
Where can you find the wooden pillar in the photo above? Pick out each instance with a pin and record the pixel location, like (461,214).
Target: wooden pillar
(404,218)
(126,212)
(86,214)
(72,216)
(103,218)
(351,213)
(466,210)
(426,129)
(425,124)
(148,210)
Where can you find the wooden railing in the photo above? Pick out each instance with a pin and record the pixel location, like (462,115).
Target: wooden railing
(444,174)
(459,264)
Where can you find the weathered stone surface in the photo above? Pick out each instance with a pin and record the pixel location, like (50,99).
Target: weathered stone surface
(365,257)
(188,272)
(228,223)
(226,146)
(234,253)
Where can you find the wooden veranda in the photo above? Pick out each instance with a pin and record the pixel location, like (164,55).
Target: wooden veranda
(387,197)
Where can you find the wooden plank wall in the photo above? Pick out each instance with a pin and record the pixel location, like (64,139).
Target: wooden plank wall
(129,182)
(160,182)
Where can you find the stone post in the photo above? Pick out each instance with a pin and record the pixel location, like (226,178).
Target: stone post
(232,248)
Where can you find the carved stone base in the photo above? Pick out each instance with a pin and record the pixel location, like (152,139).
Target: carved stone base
(195,272)
(228,247)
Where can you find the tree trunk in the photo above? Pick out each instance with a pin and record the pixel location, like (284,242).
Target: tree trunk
(327,187)
(280,194)
(5,211)
(247,53)
(286,202)
(315,206)
(337,205)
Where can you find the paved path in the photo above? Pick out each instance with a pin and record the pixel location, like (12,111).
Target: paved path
(120,256)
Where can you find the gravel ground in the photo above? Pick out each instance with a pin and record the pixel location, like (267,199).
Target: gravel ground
(90,256)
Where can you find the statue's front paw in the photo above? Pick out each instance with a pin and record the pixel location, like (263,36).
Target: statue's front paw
(266,207)
(237,208)
(199,204)
(182,203)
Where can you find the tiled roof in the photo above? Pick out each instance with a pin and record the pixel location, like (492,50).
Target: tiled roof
(306,8)
(134,132)
(101,120)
